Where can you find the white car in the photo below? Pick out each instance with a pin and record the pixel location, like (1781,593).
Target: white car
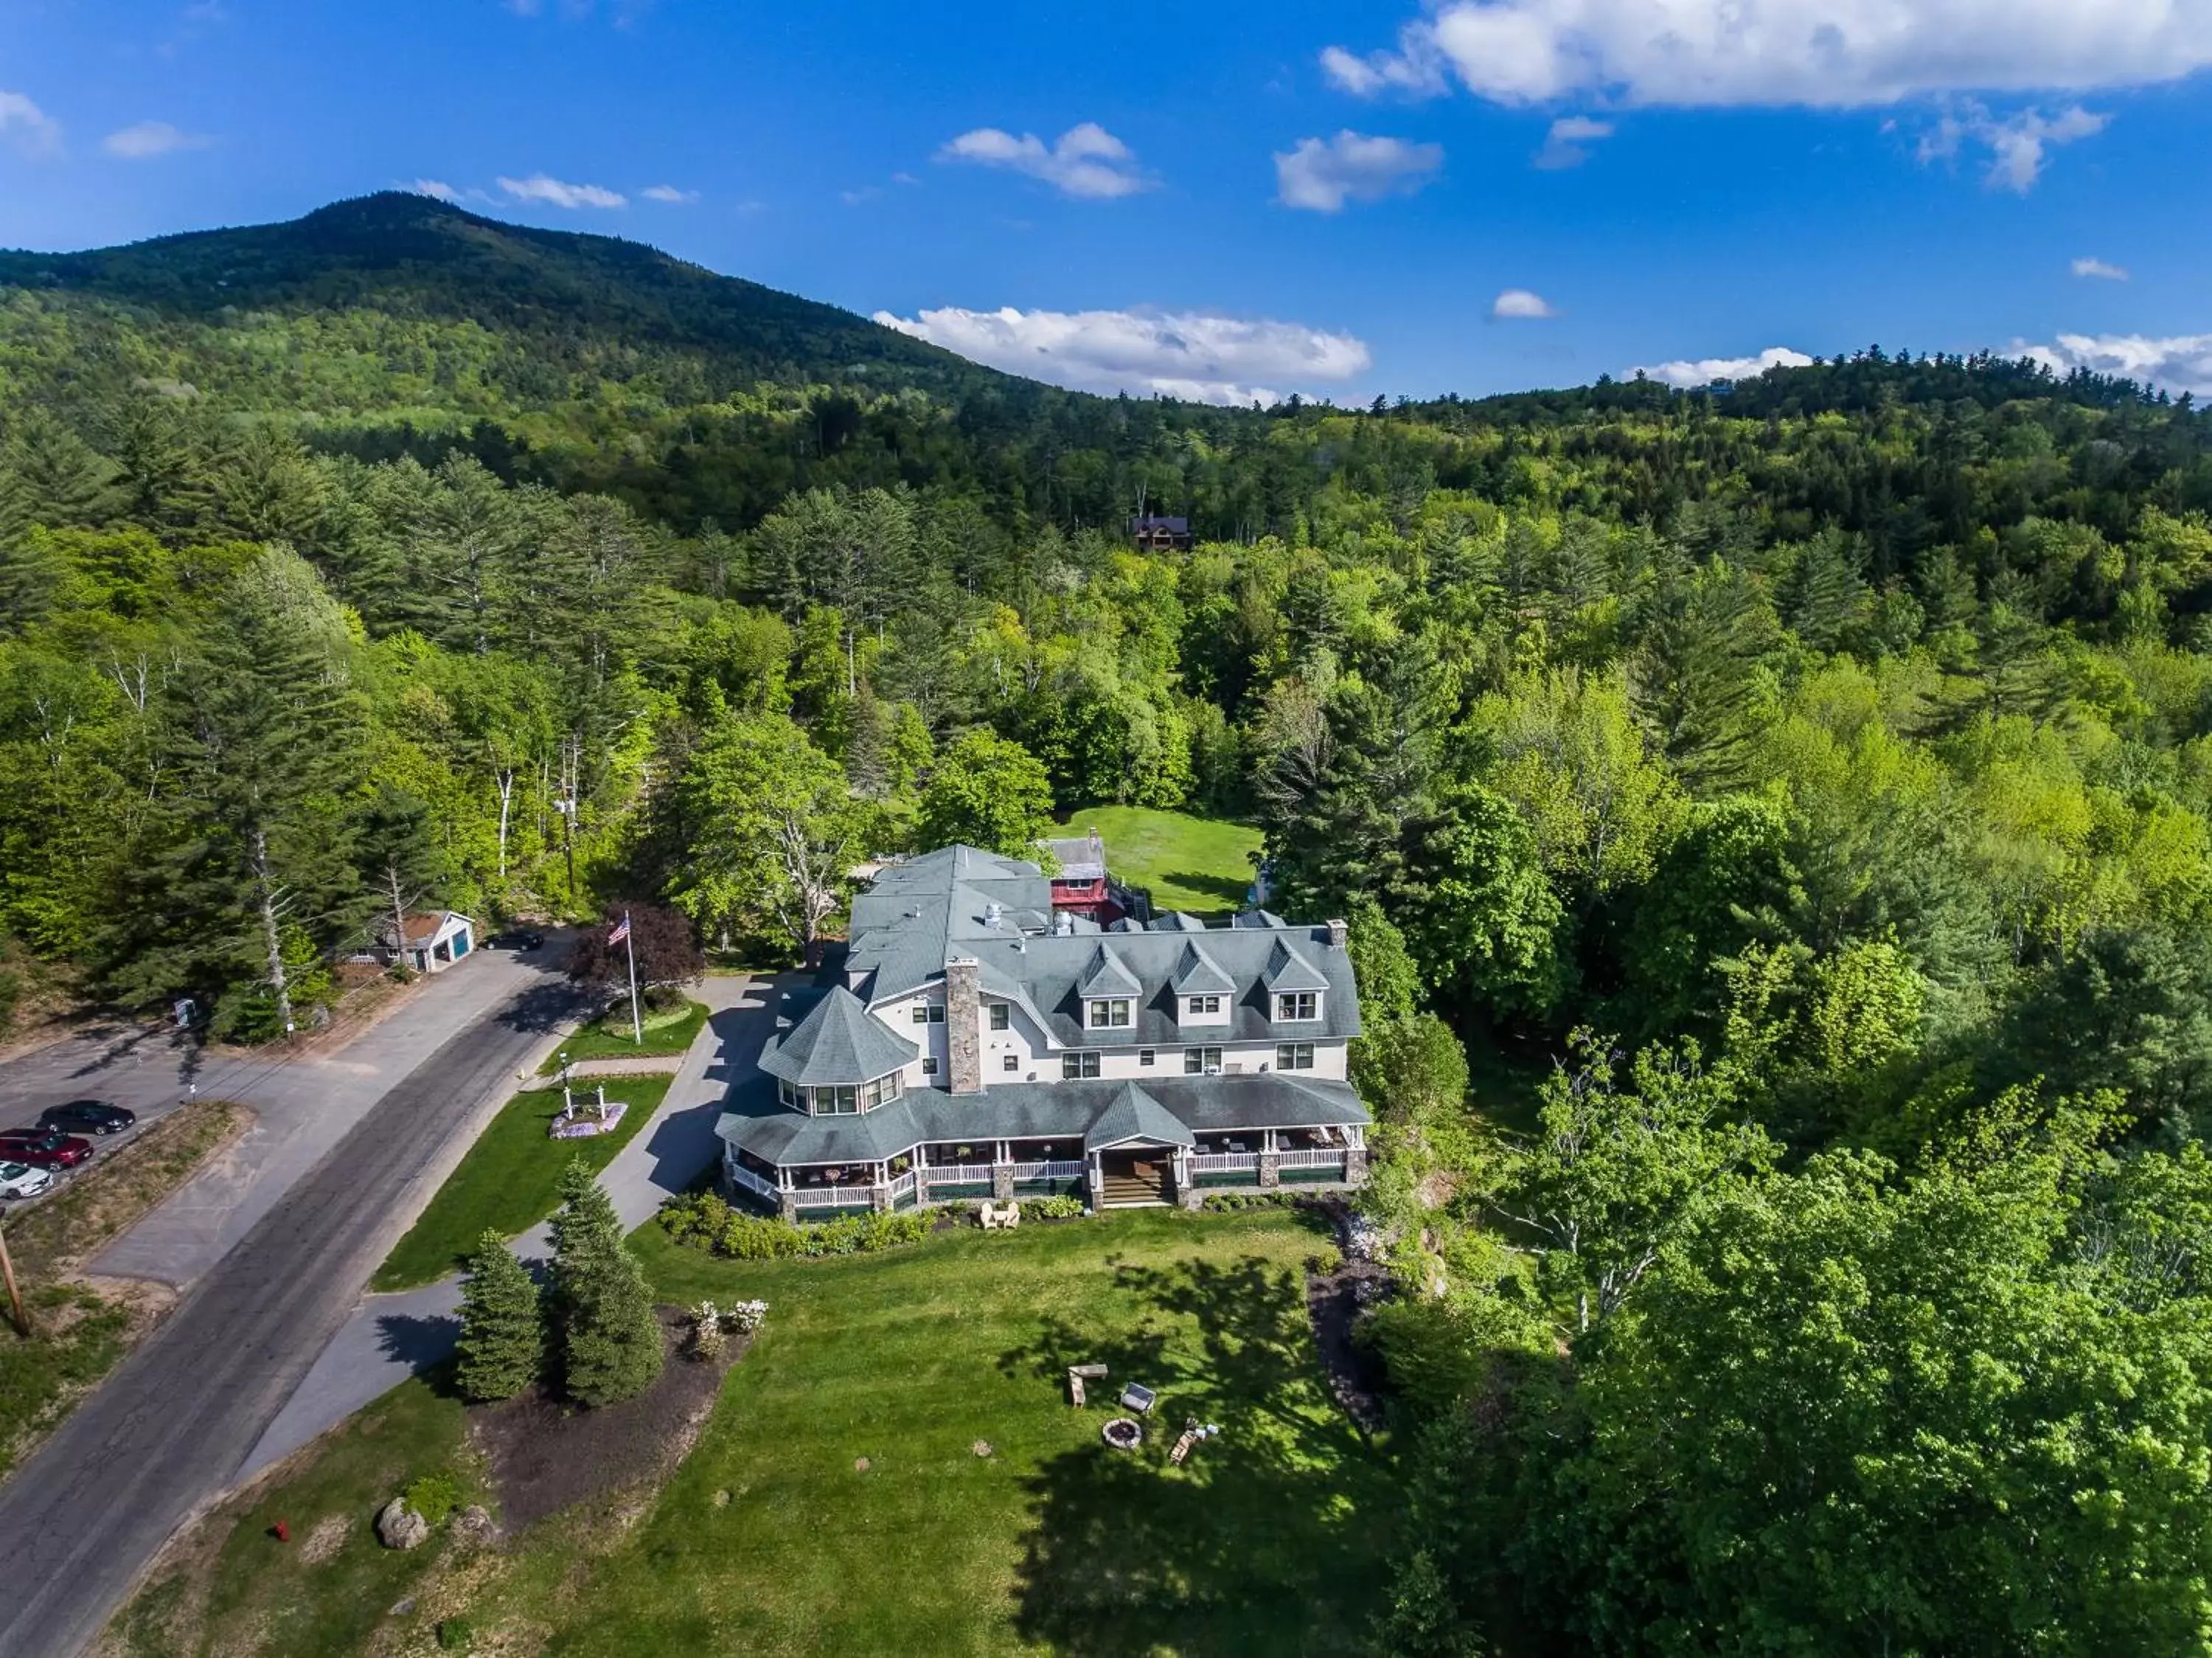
(21,1180)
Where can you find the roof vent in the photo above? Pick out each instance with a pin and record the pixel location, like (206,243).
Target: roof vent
(993,914)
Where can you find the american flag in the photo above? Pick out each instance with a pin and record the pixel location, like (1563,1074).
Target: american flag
(621,931)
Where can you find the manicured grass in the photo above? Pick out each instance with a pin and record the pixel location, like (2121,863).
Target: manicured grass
(1272,1539)
(670,1032)
(232,1588)
(1203,865)
(508,1181)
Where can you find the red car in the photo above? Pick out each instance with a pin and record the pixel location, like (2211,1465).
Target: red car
(44,1147)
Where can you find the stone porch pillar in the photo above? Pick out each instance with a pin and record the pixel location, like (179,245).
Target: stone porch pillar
(1355,1166)
(1271,1162)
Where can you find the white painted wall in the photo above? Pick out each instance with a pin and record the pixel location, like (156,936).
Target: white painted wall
(1035,1060)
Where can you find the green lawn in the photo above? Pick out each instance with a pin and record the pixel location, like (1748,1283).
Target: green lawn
(1272,1540)
(508,1179)
(233,1588)
(1200,864)
(672,1032)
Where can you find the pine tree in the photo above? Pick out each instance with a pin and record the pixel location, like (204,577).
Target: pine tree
(257,830)
(502,1348)
(610,1339)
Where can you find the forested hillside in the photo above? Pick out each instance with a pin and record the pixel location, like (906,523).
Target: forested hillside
(1819,771)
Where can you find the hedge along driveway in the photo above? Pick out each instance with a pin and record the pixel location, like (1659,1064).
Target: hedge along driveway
(510,1178)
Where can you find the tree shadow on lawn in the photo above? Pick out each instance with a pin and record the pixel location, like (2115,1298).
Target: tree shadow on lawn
(1230,892)
(1270,1539)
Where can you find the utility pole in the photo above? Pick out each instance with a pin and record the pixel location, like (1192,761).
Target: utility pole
(15,1296)
(571,766)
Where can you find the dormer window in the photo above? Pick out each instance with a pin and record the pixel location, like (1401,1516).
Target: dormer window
(1110,1016)
(1201,1005)
(1293,1005)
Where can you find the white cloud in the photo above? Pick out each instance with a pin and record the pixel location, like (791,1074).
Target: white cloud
(1202,358)
(2098,269)
(1087,160)
(2016,143)
(1829,53)
(1518,304)
(1324,173)
(1417,69)
(29,128)
(436,188)
(1564,143)
(150,138)
(1706,370)
(538,187)
(669,193)
(2179,363)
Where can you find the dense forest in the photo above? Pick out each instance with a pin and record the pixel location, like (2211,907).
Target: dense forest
(1776,821)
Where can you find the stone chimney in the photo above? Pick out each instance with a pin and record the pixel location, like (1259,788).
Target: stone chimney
(1337,934)
(963,1026)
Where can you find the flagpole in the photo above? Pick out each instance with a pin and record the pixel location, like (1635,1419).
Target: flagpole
(630,943)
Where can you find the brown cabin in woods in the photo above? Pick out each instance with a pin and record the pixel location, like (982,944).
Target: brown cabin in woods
(1160,534)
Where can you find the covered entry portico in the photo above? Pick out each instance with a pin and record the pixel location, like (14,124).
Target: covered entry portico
(1138,1150)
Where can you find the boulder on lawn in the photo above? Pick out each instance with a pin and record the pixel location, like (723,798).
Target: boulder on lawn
(399,1527)
(473,1527)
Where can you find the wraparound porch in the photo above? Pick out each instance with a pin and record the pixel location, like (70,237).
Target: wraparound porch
(1134,1173)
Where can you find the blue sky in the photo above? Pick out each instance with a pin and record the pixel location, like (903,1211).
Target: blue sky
(1471,195)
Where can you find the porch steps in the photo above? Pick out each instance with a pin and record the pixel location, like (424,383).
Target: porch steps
(1135,1189)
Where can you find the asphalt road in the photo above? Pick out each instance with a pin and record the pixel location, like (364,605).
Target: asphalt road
(82,1518)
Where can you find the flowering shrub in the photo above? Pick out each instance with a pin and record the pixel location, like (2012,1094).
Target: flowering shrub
(707,1339)
(705,1222)
(745,1316)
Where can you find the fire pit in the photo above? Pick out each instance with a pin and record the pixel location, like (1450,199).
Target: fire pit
(1123,1434)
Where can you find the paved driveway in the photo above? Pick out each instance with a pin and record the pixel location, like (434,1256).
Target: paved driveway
(389,1337)
(276,1248)
(302,1107)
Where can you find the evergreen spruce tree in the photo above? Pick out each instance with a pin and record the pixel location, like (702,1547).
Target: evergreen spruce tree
(602,1312)
(255,853)
(502,1348)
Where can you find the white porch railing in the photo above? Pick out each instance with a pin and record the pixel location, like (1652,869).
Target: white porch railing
(824,1197)
(957,1174)
(1308,1159)
(1049,1171)
(901,1185)
(751,1182)
(1224,1162)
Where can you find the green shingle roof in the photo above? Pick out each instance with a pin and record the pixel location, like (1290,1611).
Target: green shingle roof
(1133,1114)
(839,1042)
(1196,970)
(1089,1115)
(1289,970)
(1106,975)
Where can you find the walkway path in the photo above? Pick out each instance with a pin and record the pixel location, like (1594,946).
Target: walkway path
(389,1337)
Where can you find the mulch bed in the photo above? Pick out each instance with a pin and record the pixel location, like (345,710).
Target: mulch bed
(545,1454)
(1355,1372)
